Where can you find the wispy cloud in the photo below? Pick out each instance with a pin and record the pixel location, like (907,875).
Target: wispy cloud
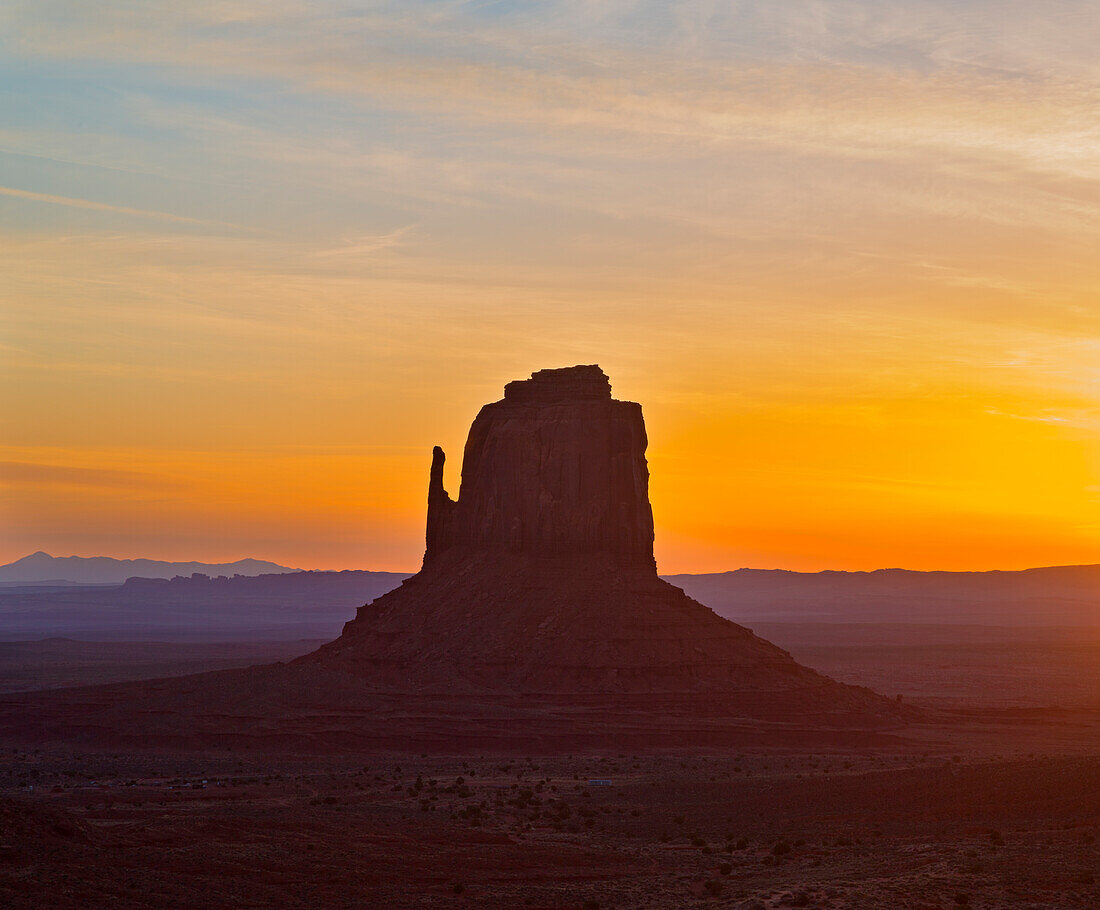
(114,209)
(21,474)
(365,246)
(629,108)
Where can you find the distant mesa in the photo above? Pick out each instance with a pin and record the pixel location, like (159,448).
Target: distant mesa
(537,619)
(194,608)
(42,568)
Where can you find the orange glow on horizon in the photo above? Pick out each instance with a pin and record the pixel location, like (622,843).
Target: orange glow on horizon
(930,483)
(253,271)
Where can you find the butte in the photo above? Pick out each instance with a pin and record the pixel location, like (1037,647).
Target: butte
(537,621)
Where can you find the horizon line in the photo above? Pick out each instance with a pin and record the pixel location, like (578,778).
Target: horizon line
(290,569)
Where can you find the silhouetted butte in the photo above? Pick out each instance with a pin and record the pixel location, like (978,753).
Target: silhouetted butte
(540,578)
(536,621)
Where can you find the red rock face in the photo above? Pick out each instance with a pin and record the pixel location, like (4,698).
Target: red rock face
(555,468)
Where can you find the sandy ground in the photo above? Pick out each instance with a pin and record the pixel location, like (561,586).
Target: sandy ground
(746,831)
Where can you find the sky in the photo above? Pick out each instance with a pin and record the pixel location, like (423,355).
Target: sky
(257,258)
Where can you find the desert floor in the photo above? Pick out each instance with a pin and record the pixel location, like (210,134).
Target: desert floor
(993,802)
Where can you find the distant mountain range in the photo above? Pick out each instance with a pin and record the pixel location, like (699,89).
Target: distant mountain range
(42,568)
(287,604)
(1059,595)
